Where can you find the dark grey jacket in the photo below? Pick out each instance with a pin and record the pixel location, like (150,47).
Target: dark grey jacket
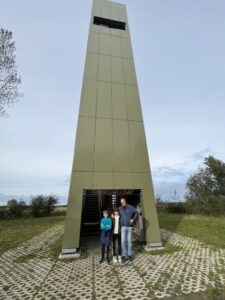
(127,213)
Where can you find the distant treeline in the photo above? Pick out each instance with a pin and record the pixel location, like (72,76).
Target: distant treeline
(39,206)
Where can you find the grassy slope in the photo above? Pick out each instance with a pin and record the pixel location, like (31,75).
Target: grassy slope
(209,230)
(14,232)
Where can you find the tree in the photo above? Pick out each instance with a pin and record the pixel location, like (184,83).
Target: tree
(51,201)
(217,170)
(199,184)
(16,208)
(42,205)
(206,188)
(37,206)
(9,78)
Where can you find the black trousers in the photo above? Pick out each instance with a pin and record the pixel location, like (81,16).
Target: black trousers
(103,251)
(116,240)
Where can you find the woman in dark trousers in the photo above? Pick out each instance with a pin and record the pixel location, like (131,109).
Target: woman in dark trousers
(116,236)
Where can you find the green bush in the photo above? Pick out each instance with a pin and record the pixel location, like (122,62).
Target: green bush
(208,205)
(206,189)
(42,205)
(3,212)
(16,208)
(176,208)
(172,207)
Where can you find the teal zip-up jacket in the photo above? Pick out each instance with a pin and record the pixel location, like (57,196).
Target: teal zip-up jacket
(106,224)
(106,231)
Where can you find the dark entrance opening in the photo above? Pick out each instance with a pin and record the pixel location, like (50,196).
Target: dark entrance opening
(95,201)
(109,23)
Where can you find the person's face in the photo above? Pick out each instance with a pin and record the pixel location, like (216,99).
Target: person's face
(105,215)
(123,202)
(116,213)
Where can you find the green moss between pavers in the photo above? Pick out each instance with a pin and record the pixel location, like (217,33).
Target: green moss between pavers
(167,248)
(25,258)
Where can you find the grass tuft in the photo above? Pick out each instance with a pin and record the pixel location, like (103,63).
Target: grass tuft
(25,258)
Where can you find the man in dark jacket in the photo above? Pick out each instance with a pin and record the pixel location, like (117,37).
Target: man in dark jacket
(128,215)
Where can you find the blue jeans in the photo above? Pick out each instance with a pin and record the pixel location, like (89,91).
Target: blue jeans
(126,243)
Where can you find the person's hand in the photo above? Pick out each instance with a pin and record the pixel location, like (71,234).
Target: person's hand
(131,221)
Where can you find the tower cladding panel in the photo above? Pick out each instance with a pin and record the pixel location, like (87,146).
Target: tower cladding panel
(110,149)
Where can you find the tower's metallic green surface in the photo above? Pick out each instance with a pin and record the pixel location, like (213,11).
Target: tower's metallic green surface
(110,149)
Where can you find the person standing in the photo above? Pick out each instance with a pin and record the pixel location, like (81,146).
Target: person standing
(106,229)
(116,237)
(128,215)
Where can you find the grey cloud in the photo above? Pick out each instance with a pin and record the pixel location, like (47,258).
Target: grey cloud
(168,171)
(198,156)
(184,169)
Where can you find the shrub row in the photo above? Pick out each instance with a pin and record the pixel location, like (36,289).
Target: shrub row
(40,206)
(209,205)
(172,207)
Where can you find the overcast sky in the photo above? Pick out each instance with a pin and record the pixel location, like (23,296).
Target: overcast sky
(179,51)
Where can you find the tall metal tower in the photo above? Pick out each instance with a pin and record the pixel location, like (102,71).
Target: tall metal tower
(110,151)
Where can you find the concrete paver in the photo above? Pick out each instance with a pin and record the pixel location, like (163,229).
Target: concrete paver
(192,269)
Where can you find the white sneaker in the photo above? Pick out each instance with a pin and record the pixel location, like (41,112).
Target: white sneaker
(114,259)
(119,259)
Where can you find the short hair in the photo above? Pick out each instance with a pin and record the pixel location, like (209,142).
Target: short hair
(105,212)
(122,198)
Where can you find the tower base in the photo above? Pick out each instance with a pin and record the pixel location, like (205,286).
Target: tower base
(69,253)
(153,246)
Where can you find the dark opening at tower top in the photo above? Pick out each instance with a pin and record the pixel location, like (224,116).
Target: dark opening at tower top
(109,23)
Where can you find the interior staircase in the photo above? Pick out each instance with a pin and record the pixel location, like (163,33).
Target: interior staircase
(91,213)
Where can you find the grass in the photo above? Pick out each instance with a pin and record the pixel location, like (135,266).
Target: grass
(14,232)
(210,294)
(209,230)
(193,296)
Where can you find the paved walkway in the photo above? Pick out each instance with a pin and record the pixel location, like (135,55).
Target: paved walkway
(190,270)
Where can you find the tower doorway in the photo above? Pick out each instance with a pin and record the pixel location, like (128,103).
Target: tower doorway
(95,201)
